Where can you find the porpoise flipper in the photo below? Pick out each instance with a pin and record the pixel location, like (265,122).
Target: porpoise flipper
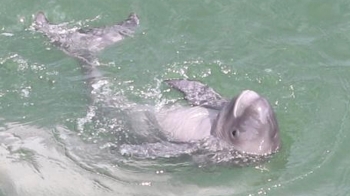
(40,20)
(197,93)
(77,42)
(84,44)
(132,22)
(126,27)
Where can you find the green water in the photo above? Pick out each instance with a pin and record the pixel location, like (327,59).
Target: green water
(294,53)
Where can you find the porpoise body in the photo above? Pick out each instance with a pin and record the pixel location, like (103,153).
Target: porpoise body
(246,122)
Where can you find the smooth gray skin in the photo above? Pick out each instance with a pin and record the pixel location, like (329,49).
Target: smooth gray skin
(247,122)
(85,43)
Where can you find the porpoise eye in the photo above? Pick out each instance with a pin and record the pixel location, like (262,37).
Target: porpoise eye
(234,132)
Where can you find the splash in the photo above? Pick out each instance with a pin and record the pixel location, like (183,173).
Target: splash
(206,152)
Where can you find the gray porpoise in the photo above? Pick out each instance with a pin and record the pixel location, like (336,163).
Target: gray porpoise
(247,122)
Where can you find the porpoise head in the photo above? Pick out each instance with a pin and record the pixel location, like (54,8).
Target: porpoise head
(248,123)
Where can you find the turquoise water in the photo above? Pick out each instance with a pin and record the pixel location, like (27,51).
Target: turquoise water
(293,53)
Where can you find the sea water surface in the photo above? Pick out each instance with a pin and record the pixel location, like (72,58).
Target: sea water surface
(295,53)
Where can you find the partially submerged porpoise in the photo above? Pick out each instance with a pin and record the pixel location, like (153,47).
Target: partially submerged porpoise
(85,43)
(247,122)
